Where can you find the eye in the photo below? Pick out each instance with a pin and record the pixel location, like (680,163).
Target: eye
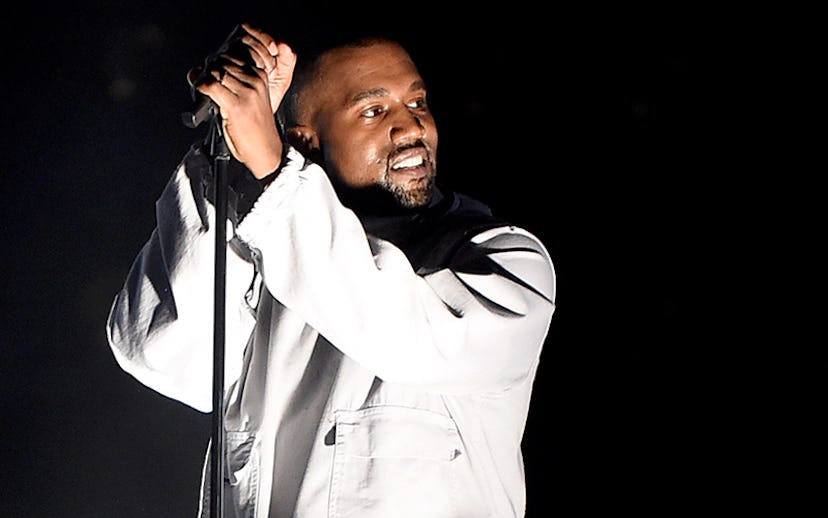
(372,111)
(417,104)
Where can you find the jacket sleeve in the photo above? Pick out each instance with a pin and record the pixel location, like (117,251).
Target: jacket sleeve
(160,325)
(476,326)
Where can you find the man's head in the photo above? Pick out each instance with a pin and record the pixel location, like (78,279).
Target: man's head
(360,110)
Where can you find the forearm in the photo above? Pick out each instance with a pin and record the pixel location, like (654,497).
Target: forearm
(161,322)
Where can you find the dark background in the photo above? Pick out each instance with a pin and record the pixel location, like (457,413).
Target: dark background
(593,128)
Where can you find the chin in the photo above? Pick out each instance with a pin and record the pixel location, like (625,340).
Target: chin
(413,196)
(412,200)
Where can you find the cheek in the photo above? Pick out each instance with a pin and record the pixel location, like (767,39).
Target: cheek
(357,162)
(431,133)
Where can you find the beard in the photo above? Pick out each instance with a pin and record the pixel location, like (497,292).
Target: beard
(412,193)
(393,193)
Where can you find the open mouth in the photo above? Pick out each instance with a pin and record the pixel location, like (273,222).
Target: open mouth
(412,162)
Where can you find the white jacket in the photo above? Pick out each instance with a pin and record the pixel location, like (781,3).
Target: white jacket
(355,387)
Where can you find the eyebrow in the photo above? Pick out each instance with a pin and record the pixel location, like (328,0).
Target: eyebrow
(419,84)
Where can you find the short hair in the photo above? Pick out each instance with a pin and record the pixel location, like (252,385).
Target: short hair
(308,69)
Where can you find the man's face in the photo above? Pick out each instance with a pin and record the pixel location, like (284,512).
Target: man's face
(374,127)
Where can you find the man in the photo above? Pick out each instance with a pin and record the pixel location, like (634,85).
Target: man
(382,334)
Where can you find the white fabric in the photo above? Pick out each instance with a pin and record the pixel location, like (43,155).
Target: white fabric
(356,388)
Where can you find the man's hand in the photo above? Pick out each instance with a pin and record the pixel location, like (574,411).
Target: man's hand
(277,60)
(248,91)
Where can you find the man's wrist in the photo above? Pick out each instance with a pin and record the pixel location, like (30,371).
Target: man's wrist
(268,176)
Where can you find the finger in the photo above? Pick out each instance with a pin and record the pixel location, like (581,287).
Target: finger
(218,76)
(218,92)
(242,70)
(285,58)
(227,58)
(260,55)
(234,77)
(266,39)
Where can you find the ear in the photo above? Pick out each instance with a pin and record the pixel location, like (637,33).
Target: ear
(304,139)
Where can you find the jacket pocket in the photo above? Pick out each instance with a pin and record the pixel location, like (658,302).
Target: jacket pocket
(394,461)
(242,476)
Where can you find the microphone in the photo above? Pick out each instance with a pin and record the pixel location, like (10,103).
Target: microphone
(204,108)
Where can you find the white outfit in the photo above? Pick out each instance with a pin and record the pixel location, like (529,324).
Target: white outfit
(355,386)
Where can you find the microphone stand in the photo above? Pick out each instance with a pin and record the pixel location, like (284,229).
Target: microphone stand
(205,109)
(220,157)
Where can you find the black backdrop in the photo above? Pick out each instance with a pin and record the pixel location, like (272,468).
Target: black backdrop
(588,127)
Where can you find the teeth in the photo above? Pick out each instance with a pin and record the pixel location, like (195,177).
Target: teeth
(409,162)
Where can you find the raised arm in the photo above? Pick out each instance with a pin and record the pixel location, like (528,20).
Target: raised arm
(458,329)
(160,326)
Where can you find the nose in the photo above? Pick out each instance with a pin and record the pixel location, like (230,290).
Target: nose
(406,127)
